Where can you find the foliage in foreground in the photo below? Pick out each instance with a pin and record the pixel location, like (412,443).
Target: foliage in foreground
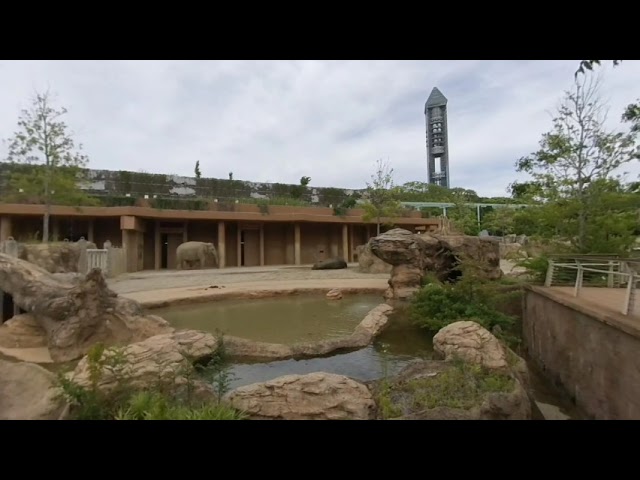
(462,386)
(437,304)
(162,401)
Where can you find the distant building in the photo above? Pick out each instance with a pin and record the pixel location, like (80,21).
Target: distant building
(435,111)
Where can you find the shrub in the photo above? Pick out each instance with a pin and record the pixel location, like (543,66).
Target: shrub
(437,304)
(161,401)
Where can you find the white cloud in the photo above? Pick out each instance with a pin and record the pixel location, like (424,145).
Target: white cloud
(330,120)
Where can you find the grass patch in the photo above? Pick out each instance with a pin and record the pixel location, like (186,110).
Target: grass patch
(462,386)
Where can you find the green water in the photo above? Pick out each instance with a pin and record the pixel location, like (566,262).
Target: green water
(292,319)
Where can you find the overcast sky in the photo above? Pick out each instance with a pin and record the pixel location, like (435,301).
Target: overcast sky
(275,121)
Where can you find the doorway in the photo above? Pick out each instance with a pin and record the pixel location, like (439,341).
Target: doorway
(169,242)
(250,248)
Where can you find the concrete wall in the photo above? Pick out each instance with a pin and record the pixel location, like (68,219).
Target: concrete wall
(278,237)
(591,354)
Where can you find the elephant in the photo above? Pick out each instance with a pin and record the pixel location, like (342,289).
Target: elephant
(192,251)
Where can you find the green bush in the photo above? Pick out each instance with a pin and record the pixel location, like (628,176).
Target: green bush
(437,305)
(117,201)
(179,204)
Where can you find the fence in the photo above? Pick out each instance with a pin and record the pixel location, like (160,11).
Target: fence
(608,280)
(111,260)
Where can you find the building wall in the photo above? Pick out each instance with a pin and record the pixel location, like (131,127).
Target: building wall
(319,241)
(593,356)
(107,229)
(203,231)
(278,238)
(149,247)
(231,243)
(251,247)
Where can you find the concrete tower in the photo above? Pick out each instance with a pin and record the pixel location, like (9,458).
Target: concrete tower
(435,111)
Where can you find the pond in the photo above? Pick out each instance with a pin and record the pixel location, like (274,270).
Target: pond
(304,318)
(286,320)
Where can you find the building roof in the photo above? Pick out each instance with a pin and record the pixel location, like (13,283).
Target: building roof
(436,99)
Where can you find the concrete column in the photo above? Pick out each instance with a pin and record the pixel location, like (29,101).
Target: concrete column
(262,245)
(90,234)
(352,246)
(5,228)
(222,252)
(157,247)
(185,232)
(238,244)
(345,242)
(296,243)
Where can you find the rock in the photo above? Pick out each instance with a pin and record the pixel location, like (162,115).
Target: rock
(330,264)
(369,263)
(316,396)
(143,364)
(27,392)
(54,257)
(334,294)
(472,343)
(22,331)
(413,256)
(436,390)
(511,251)
(75,317)
(371,326)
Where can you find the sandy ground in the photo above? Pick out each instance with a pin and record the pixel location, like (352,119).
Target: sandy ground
(251,277)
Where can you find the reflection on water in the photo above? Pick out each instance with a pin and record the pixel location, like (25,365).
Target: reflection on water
(396,347)
(287,320)
(312,317)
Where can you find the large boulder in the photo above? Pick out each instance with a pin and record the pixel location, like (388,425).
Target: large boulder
(55,257)
(470,342)
(479,378)
(143,364)
(75,316)
(330,264)
(28,392)
(316,396)
(369,263)
(414,255)
(22,331)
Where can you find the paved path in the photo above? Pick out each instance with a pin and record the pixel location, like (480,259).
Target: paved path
(176,279)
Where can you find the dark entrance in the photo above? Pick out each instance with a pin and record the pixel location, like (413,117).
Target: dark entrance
(164,245)
(8,307)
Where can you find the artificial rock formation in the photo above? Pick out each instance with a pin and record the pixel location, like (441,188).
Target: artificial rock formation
(75,317)
(472,343)
(413,256)
(316,396)
(143,364)
(27,392)
(22,331)
(369,263)
(370,327)
(330,264)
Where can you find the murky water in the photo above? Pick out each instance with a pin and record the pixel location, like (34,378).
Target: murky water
(311,317)
(299,318)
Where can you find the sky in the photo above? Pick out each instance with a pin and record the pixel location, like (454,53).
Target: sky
(276,121)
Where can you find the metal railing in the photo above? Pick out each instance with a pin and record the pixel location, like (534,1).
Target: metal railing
(608,280)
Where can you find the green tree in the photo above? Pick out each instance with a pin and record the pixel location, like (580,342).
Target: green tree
(48,168)
(381,195)
(574,156)
(197,169)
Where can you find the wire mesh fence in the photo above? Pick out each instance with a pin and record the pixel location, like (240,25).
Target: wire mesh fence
(608,281)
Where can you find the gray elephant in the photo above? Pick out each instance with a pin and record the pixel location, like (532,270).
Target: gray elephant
(192,251)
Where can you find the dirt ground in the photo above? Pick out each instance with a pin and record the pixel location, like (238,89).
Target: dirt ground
(300,275)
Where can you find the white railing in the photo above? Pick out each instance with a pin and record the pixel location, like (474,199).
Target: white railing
(609,281)
(97,258)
